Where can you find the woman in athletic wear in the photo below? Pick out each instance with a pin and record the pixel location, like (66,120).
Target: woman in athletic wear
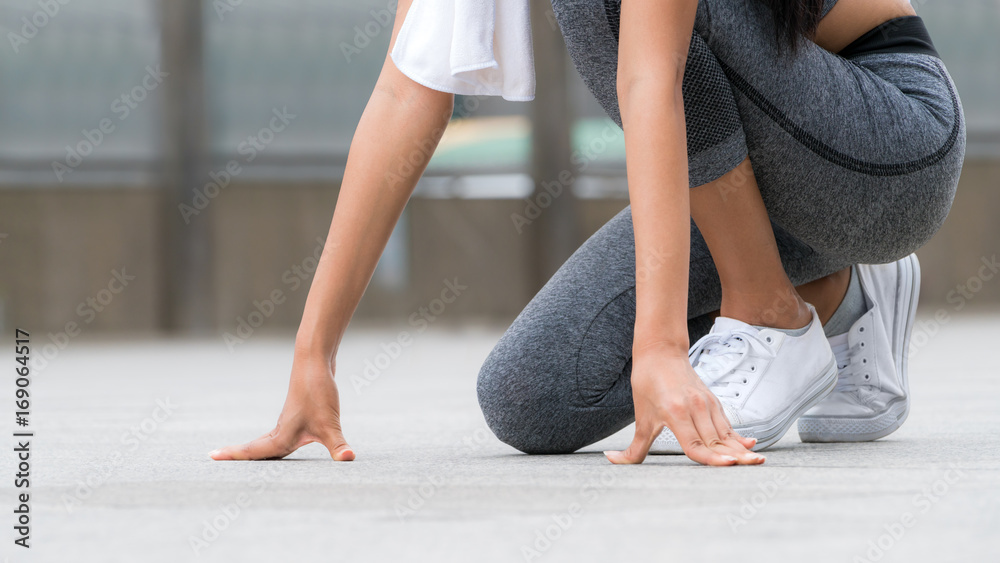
(806,139)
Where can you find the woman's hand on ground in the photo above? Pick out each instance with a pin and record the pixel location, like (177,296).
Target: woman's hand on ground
(311,414)
(668,393)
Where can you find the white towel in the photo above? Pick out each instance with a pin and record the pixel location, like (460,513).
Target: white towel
(471,47)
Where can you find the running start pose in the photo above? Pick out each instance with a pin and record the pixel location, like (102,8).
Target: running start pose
(785,158)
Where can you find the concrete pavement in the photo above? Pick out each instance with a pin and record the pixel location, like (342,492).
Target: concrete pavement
(120,472)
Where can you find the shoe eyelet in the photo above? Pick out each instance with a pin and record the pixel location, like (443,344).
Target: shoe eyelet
(752,369)
(737,394)
(867,377)
(745,381)
(862,344)
(768,339)
(864,360)
(861,329)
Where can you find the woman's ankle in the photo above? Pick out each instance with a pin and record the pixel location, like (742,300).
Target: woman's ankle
(783,309)
(827,293)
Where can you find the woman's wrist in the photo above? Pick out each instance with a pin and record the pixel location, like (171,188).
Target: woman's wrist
(312,342)
(658,336)
(670,346)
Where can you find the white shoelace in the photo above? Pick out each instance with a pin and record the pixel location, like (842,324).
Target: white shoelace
(851,375)
(717,355)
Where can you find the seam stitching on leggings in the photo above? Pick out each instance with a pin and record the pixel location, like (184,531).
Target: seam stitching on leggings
(576,368)
(836,157)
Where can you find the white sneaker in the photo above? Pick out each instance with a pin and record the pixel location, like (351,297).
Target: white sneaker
(872,395)
(764,378)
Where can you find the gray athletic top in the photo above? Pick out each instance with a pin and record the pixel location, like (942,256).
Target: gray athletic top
(590,28)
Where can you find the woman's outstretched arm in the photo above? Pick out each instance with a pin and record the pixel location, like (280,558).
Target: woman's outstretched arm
(655,37)
(398,132)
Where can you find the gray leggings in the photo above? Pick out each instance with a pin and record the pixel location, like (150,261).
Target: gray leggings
(857,161)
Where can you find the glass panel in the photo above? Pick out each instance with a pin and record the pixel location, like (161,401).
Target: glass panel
(965,34)
(65,68)
(317,58)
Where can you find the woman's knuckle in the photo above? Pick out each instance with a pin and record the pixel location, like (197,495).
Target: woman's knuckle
(676,408)
(695,443)
(698,401)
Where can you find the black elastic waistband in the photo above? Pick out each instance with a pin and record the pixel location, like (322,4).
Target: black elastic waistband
(900,35)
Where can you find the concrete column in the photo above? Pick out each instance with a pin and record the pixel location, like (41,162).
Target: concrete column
(185,251)
(557,230)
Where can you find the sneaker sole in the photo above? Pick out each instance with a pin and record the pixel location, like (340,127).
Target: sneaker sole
(867,429)
(768,434)
(770,431)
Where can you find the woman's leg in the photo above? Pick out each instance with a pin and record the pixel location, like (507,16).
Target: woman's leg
(558,380)
(826,293)
(856,162)
(737,230)
(858,158)
(855,157)
(731,216)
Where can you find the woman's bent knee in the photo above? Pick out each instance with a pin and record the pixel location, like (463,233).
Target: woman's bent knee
(519,411)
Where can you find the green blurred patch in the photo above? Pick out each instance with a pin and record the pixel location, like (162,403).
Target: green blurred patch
(506,143)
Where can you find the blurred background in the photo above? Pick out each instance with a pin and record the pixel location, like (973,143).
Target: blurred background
(171,166)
